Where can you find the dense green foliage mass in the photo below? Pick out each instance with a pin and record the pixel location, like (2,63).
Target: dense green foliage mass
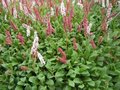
(86,69)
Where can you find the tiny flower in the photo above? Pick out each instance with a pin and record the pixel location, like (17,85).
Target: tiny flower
(5,17)
(86,7)
(80,27)
(92,2)
(63,58)
(21,38)
(89,29)
(28,28)
(115,1)
(21,6)
(109,10)
(37,2)
(107,3)
(4,3)
(62,9)
(85,25)
(33,4)
(80,3)
(40,57)
(13,25)
(68,5)
(37,13)
(24,68)
(8,40)
(25,10)
(72,13)
(70,23)
(100,39)
(52,11)
(103,12)
(65,23)
(73,2)
(104,25)
(75,44)
(57,10)
(92,43)
(103,3)
(32,16)
(50,29)
(118,3)
(35,44)
(14,12)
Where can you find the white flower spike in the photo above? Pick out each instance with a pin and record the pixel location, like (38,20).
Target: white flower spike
(63,9)
(80,4)
(35,43)
(14,12)
(52,11)
(28,28)
(40,57)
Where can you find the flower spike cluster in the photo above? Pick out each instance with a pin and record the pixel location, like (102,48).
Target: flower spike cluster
(34,49)
(62,59)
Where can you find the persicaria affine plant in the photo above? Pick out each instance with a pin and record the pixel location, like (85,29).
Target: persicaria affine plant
(59,45)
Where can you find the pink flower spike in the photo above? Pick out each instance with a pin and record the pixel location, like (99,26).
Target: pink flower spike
(109,10)
(37,2)
(93,44)
(8,40)
(37,14)
(21,38)
(75,44)
(62,52)
(65,23)
(25,9)
(57,10)
(4,3)
(14,12)
(13,25)
(80,27)
(50,29)
(63,58)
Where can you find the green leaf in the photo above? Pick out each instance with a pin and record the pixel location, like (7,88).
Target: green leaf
(59,74)
(18,88)
(34,87)
(77,80)
(71,73)
(74,55)
(33,80)
(21,83)
(49,75)
(91,83)
(42,87)
(85,73)
(67,88)
(2,37)
(117,86)
(81,86)
(23,79)
(59,79)
(41,77)
(71,83)
(50,82)
(28,87)
(77,70)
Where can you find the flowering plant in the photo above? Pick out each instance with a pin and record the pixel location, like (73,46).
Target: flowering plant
(59,45)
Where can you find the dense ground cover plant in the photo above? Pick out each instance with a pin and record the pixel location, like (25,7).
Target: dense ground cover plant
(59,45)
